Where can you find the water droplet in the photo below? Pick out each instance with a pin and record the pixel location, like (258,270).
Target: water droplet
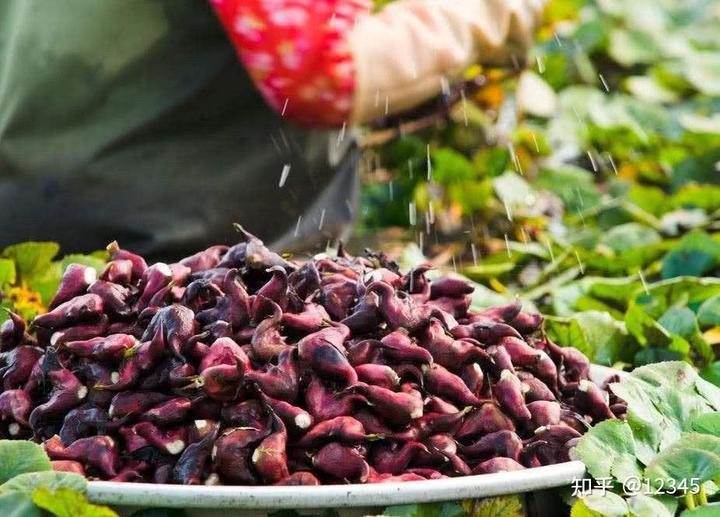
(612,163)
(322,219)
(282,113)
(642,280)
(412,214)
(592,161)
(284,175)
(341,135)
(537,147)
(540,64)
(297,226)
(391,192)
(429,163)
(605,84)
(582,267)
(507,246)
(474,252)
(508,210)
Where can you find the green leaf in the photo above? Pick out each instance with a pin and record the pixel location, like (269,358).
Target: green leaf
(502,506)
(65,502)
(604,445)
(663,399)
(18,504)
(709,510)
(702,69)
(631,47)
(711,373)
(653,354)
(19,456)
(600,504)
(649,332)
(708,423)
(512,189)
(7,272)
(46,282)
(695,254)
(627,236)
(483,271)
(32,257)
(695,456)
(708,314)
(594,333)
(645,506)
(572,184)
(49,479)
(703,196)
(450,166)
(680,321)
(698,168)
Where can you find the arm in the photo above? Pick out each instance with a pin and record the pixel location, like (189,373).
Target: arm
(328,62)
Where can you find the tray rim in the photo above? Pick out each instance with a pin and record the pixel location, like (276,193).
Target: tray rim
(334,496)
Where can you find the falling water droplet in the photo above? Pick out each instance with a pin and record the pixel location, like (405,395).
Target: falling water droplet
(282,113)
(412,213)
(297,226)
(582,267)
(508,210)
(431,213)
(592,160)
(515,159)
(341,135)
(454,264)
(534,138)
(410,168)
(284,175)
(474,252)
(642,280)
(387,105)
(391,192)
(605,84)
(507,246)
(612,163)
(540,64)
(427,224)
(557,40)
(429,163)
(322,219)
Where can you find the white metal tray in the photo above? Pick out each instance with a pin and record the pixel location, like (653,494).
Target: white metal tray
(334,496)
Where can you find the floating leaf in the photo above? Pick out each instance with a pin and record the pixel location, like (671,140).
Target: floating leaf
(19,456)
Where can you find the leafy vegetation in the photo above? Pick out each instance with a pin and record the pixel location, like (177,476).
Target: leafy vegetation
(665,456)
(588,186)
(30,488)
(30,274)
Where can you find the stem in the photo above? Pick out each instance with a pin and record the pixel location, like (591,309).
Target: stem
(702,496)
(689,501)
